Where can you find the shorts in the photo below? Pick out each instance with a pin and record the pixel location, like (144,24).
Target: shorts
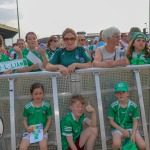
(117,131)
(77,145)
(26,135)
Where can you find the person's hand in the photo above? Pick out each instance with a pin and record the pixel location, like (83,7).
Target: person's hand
(40,50)
(9,71)
(133,138)
(121,62)
(72,67)
(17,49)
(44,132)
(125,133)
(109,63)
(35,67)
(29,129)
(89,108)
(63,70)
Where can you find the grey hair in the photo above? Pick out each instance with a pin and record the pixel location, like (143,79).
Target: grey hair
(109,32)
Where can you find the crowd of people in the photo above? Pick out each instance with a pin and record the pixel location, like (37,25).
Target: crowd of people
(111,49)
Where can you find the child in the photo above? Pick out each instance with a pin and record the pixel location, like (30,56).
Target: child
(72,134)
(138,52)
(36,112)
(123,117)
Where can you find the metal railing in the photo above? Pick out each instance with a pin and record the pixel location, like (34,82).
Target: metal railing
(93,83)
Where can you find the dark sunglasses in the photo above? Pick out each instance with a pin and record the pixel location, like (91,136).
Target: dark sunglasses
(55,40)
(82,39)
(69,39)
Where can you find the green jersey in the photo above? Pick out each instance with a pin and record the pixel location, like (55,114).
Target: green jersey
(123,116)
(32,58)
(139,59)
(4,58)
(50,53)
(37,115)
(66,58)
(71,127)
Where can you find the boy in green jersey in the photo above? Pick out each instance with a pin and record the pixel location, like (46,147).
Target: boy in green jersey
(72,134)
(123,117)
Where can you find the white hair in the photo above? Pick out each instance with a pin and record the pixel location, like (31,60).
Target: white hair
(109,32)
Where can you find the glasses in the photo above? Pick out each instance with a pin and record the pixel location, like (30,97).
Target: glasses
(55,40)
(82,39)
(69,39)
(117,37)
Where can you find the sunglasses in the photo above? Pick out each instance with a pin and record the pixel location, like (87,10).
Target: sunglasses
(69,39)
(55,40)
(82,39)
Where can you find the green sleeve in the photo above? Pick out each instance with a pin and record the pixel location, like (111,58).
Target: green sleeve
(25,113)
(111,113)
(66,128)
(135,113)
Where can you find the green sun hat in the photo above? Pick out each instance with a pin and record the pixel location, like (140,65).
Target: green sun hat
(139,35)
(121,87)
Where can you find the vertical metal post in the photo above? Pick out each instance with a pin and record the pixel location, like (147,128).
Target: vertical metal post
(149,17)
(18,18)
(100,110)
(138,82)
(56,110)
(12,114)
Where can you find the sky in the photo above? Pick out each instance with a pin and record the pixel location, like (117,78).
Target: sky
(48,17)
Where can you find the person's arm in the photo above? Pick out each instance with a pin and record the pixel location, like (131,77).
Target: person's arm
(71,143)
(42,52)
(28,69)
(27,128)
(48,124)
(18,51)
(83,65)
(92,122)
(134,129)
(98,60)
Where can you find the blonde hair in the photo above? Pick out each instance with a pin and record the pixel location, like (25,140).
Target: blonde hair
(68,30)
(76,98)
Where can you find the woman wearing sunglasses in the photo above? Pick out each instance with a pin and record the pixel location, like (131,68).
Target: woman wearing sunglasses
(72,57)
(52,45)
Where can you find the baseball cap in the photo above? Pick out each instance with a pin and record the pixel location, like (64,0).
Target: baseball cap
(121,87)
(139,35)
(96,39)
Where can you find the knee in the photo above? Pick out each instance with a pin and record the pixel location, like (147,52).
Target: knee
(94,130)
(22,148)
(116,145)
(142,146)
(43,147)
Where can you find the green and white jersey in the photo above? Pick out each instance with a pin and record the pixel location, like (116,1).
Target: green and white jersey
(37,115)
(71,127)
(66,58)
(123,116)
(4,58)
(32,58)
(50,53)
(139,59)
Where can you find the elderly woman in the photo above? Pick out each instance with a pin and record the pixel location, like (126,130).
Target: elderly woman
(109,55)
(67,59)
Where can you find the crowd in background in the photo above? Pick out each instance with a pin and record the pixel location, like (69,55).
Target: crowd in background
(112,48)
